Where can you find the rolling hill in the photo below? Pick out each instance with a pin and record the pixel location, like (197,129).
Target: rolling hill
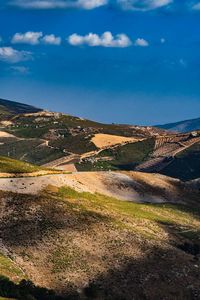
(66,243)
(82,217)
(69,143)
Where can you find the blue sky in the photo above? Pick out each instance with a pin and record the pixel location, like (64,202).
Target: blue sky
(124,61)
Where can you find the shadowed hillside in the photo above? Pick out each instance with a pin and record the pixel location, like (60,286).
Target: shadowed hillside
(13,108)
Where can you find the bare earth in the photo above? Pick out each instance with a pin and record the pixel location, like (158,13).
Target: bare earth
(104,140)
(131,186)
(4,134)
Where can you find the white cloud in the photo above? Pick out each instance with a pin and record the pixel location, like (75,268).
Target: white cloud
(143,5)
(104,40)
(20,70)
(90,4)
(29,37)
(196,6)
(35,38)
(138,5)
(51,39)
(38,4)
(141,43)
(58,4)
(10,55)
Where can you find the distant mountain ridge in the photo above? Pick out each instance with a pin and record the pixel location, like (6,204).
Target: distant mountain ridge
(182,126)
(8,107)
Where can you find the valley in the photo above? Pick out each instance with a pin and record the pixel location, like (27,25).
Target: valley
(96,211)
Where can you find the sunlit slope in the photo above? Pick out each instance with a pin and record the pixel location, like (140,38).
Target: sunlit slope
(9,165)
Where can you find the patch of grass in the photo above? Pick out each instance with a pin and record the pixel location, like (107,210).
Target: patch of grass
(9,165)
(134,213)
(62,259)
(9,269)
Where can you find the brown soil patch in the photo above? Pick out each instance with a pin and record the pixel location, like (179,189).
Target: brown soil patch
(4,134)
(105,140)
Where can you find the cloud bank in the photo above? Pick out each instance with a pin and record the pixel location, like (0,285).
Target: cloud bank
(143,5)
(35,38)
(139,5)
(29,37)
(131,5)
(104,40)
(57,4)
(107,39)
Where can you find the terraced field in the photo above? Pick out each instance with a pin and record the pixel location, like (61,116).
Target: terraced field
(186,164)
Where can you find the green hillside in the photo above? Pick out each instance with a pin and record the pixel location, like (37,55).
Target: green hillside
(9,165)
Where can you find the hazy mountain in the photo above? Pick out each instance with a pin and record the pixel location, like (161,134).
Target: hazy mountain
(182,126)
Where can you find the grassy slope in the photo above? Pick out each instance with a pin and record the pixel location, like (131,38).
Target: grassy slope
(75,240)
(186,165)
(9,165)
